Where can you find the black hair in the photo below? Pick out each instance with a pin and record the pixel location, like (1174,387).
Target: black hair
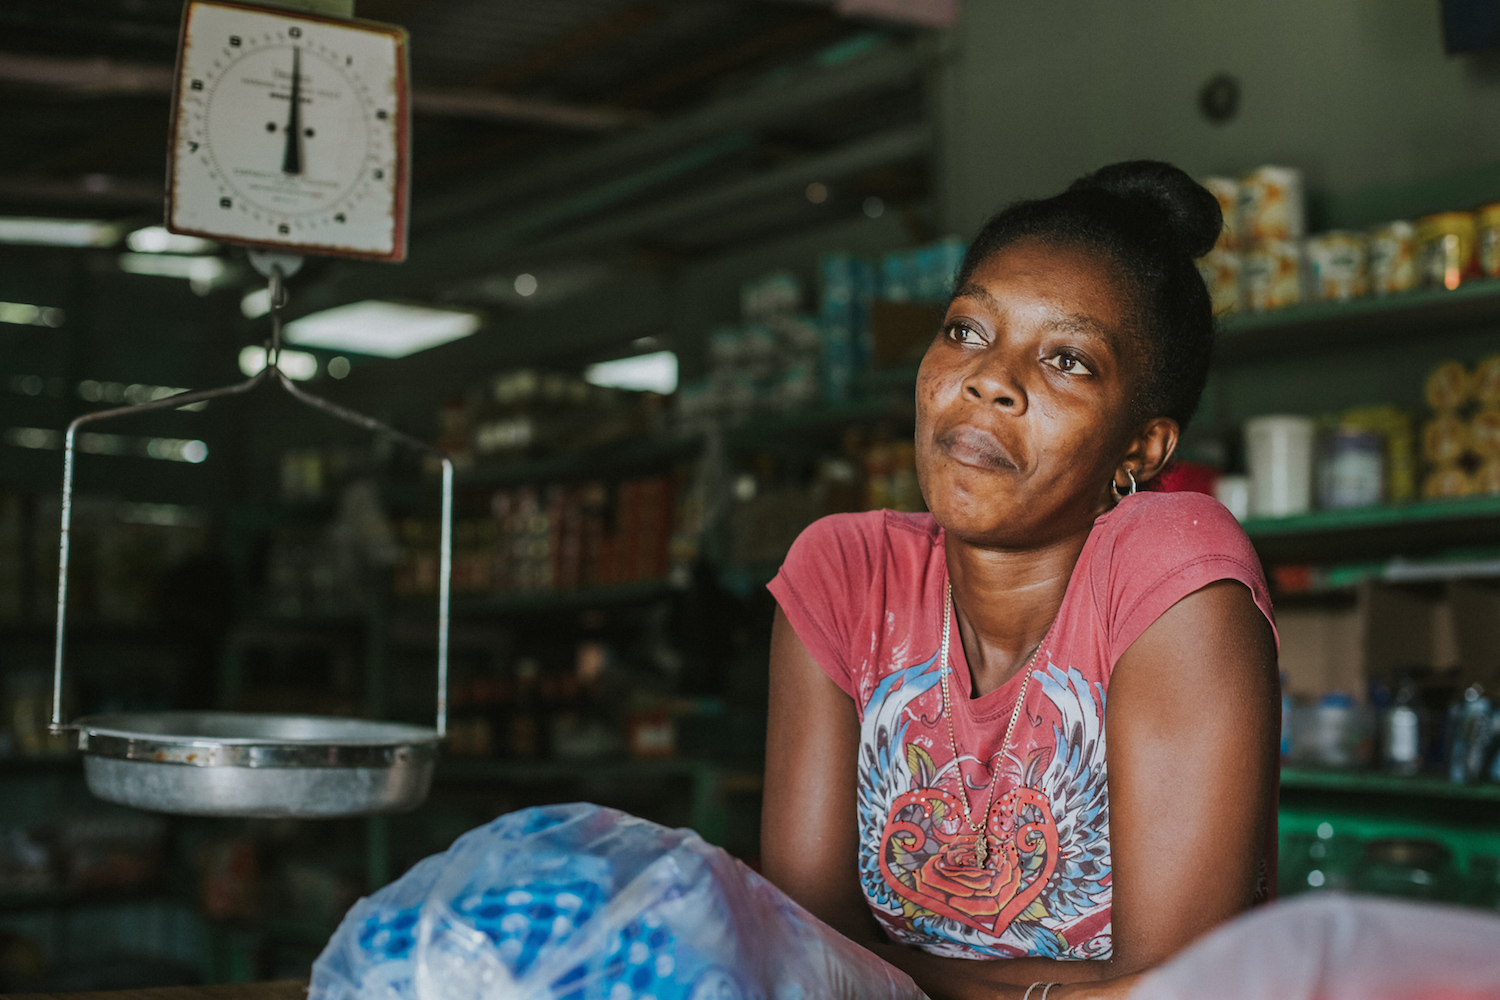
(1152,221)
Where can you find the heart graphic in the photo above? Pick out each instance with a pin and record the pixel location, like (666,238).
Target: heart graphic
(949,881)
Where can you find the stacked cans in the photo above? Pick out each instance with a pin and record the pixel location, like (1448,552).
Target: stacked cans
(1256,264)
(1461,441)
(1264,260)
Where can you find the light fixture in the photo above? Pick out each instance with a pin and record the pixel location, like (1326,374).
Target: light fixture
(94,391)
(298,365)
(257,303)
(166,449)
(387,329)
(654,372)
(338,367)
(201,272)
(26,314)
(58,232)
(525,285)
(159,239)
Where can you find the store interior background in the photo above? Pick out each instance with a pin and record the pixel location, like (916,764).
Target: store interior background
(631,252)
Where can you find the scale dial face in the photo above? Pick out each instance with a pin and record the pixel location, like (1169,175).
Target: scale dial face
(290,131)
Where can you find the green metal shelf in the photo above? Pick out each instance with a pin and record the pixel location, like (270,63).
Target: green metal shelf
(1367,783)
(1357,322)
(1332,535)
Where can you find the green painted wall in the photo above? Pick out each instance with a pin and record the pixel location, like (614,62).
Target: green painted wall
(1358,93)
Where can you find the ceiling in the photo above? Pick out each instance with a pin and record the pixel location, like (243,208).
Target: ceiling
(554,133)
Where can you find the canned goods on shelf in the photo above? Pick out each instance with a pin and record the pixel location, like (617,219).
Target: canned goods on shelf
(1449,386)
(1444,439)
(1221,273)
(1393,258)
(1487,478)
(1484,433)
(1486,381)
(1446,481)
(1352,472)
(1272,275)
(1446,249)
(1227,191)
(1395,426)
(1272,205)
(1336,265)
(1487,220)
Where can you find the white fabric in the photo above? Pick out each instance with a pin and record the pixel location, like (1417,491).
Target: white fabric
(1331,946)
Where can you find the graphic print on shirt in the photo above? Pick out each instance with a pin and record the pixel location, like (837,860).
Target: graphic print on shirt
(1046,890)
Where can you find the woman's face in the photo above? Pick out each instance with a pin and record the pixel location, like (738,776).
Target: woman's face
(1023,399)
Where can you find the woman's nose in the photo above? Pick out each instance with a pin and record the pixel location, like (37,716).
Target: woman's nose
(993,380)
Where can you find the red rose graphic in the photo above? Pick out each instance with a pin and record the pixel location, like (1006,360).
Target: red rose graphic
(949,881)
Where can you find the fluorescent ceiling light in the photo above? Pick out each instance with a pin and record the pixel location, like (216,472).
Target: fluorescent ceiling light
(655,372)
(26,314)
(58,232)
(166,449)
(202,272)
(382,328)
(298,365)
(158,239)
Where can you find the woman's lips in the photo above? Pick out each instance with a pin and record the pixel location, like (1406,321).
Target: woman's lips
(973,446)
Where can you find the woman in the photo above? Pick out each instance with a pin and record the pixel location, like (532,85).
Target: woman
(946,810)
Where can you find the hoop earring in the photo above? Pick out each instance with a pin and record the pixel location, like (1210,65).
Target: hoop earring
(1116,490)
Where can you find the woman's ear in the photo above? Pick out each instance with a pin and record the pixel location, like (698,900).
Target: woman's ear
(1151,449)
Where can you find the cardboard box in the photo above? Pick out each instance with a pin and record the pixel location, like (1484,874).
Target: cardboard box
(1344,647)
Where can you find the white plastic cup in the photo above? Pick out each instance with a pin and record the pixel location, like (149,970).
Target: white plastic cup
(1279,453)
(1234,493)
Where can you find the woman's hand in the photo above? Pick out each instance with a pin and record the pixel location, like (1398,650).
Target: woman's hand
(1191,727)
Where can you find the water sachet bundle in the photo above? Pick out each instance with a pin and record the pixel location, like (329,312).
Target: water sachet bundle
(579,902)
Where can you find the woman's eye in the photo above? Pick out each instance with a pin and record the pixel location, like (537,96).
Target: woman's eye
(1069,364)
(964,334)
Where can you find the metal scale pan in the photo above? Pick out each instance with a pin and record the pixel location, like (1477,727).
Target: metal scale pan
(241,764)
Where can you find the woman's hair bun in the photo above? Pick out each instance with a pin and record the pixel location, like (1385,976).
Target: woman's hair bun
(1189,214)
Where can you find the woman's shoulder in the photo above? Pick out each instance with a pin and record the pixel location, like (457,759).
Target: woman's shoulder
(871,528)
(1189,522)
(1155,549)
(856,548)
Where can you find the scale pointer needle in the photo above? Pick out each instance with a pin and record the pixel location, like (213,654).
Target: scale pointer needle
(291,160)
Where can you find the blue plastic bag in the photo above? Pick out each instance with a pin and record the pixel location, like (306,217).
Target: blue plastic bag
(579,902)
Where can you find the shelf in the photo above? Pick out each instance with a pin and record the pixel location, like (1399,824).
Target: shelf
(1357,322)
(584,598)
(1366,783)
(1335,535)
(620,456)
(30,767)
(64,900)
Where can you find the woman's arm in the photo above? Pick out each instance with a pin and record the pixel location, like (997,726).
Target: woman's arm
(1191,726)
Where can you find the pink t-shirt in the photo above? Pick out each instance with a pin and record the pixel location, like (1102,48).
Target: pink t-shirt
(864,592)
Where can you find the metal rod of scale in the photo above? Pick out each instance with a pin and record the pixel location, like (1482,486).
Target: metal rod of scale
(243,764)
